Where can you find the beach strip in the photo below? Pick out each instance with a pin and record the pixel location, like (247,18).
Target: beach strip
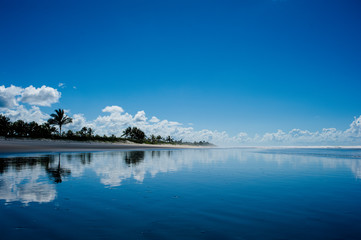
(34,145)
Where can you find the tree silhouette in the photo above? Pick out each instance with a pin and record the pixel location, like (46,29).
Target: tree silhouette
(169,139)
(86,133)
(152,138)
(5,125)
(20,128)
(138,134)
(33,129)
(59,118)
(127,132)
(45,130)
(134,134)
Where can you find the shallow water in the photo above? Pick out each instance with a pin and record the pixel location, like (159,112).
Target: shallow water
(182,194)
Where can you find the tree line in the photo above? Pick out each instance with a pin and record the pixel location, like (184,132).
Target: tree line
(135,134)
(22,129)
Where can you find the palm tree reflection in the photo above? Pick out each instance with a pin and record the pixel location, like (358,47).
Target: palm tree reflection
(134,157)
(57,173)
(86,158)
(21,163)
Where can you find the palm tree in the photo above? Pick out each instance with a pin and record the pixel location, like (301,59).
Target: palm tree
(127,132)
(153,139)
(159,138)
(59,118)
(169,139)
(134,133)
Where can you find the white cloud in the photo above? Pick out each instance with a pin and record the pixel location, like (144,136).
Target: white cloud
(28,115)
(11,97)
(355,128)
(43,96)
(113,109)
(242,137)
(154,120)
(78,123)
(113,123)
(140,117)
(327,136)
(8,96)
(61,85)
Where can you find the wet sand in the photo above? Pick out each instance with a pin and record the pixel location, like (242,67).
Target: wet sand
(31,146)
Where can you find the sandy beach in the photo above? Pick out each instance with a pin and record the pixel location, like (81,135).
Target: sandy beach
(45,145)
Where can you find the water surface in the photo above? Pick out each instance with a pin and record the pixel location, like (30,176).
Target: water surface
(182,194)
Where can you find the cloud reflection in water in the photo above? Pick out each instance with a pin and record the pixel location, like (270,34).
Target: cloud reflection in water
(34,178)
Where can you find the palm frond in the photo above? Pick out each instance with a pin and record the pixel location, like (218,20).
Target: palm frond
(59,118)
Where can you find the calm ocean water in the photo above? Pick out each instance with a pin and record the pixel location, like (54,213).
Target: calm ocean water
(182,194)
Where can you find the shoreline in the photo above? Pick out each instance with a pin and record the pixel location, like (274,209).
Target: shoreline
(14,146)
(8,146)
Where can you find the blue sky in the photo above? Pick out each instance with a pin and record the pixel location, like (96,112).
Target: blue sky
(235,66)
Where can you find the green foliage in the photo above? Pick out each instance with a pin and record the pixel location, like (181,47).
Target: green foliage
(20,128)
(153,139)
(127,132)
(85,133)
(40,131)
(70,134)
(5,126)
(45,131)
(59,118)
(169,139)
(134,134)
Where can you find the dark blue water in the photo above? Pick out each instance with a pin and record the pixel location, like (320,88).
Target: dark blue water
(182,194)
